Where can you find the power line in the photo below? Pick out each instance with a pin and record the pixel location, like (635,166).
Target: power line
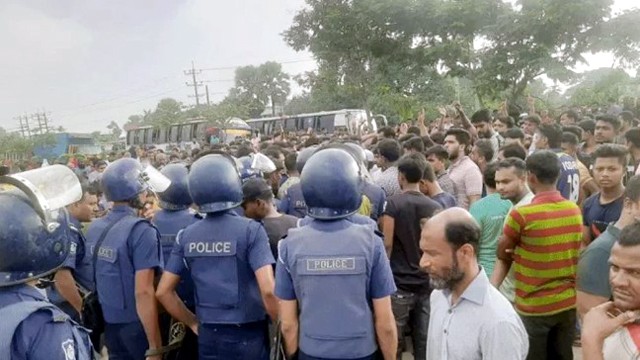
(237,66)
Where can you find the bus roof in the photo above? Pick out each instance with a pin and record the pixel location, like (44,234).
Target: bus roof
(322,113)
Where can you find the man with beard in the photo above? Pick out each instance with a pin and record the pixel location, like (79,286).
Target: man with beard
(470,319)
(483,122)
(464,173)
(511,184)
(611,331)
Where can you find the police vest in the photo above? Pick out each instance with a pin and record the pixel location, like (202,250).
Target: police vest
(13,315)
(331,277)
(169,223)
(377,197)
(297,206)
(355,218)
(216,252)
(115,274)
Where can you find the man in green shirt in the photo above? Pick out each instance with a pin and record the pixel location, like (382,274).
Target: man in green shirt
(490,213)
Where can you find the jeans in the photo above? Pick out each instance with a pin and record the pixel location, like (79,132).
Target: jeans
(551,336)
(233,342)
(412,311)
(125,341)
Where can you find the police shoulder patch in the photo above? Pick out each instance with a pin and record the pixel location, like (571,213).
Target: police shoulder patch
(73,248)
(68,347)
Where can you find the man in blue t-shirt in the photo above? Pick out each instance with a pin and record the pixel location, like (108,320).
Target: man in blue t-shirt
(604,208)
(549,137)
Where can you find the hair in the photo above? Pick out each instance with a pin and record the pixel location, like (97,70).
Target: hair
(438,137)
(389,148)
(632,190)
(273,151)
(489,176)
(438,151)
(428,174)
(290,161)
(633,136)
(553,133)
(514,133)
(387,132)
(413,130)
(243,150)
(611,151)
(514,151)
(571,114)
(575,129)
(627,116)
(415,143)
(545,165)
(533,118)
(462,136)
(630,235)
(485,149)
(412,167)
(459,233)
(570,138)
(507,120)
(518,164)
(588,125)
(613,120)
(406,137)
(480,116)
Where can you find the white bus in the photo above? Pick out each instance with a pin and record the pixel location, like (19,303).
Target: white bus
(351,121)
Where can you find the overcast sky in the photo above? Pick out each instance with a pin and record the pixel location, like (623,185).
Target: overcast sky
(90,62)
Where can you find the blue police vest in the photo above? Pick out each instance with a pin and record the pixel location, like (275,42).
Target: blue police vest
(331,278)
(115,274)
(169,223)
(216,252)
(296,205)
(354,218)
(22,306)
(377,197)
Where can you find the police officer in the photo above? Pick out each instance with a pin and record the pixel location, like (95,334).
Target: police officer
(34,243)
(293,202)
(175,215)
(76,272)
(333,276)
(372,191)
(127,260)
(230,261)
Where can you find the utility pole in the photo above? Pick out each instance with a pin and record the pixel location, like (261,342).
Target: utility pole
(206,88)
(195,83)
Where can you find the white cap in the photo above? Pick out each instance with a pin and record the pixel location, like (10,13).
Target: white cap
(369,155)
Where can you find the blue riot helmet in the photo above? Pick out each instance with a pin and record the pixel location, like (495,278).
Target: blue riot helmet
(303,156)
(331,184)
(246,170)
(357,152)
(214,183)
(177,196)
(34,227)
(125,178)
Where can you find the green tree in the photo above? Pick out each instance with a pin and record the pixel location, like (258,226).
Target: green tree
(259,86)
(115,130)
(167,112)
(598,87)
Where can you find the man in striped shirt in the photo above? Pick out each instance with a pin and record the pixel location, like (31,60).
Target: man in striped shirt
(544,238)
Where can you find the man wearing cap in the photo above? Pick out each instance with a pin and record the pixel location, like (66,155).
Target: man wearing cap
(258,204)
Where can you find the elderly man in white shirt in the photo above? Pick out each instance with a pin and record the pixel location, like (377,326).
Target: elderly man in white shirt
(470,319)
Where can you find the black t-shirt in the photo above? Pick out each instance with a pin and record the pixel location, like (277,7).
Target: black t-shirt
(407,209)
(276,228)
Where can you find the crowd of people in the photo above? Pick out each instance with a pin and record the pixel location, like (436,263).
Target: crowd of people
(494,236)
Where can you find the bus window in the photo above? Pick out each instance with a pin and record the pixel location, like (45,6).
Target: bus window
(130,137)
(185,133)
(173,134)
(148,136)
(291,124)
(155,135)
(309,122)
(326,123)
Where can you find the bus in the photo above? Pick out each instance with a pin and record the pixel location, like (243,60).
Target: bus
(185,133)
(354,122)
